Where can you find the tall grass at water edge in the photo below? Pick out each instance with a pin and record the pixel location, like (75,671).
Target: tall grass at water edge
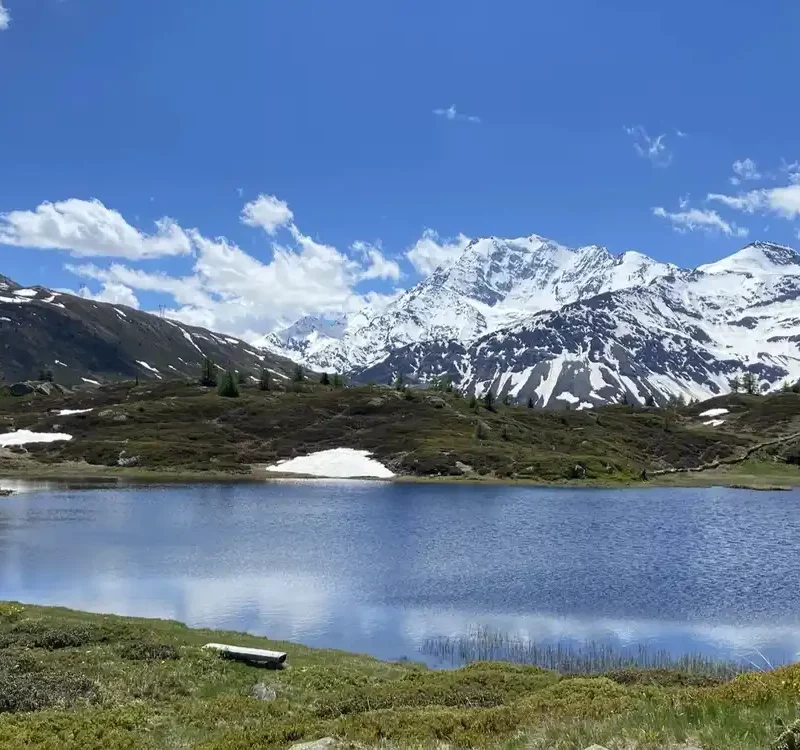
(591,657)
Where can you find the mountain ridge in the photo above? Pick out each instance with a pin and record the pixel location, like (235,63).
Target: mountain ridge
(532,301)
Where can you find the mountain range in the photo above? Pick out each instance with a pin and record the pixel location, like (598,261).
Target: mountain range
(564,327)
(84,342)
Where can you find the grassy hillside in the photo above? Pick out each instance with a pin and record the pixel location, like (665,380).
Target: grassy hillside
(74,681)
(181,427)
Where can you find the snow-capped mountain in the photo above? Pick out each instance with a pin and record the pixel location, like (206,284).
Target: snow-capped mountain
(532,319)
(492,284)
(683,334)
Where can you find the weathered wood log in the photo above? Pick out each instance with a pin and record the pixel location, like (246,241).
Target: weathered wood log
(250,655)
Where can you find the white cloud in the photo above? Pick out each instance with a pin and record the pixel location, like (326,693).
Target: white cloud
(784,201)
(267,212)
(377,265)
(654,149)
(89,228)
(231,291)
(451,113)
(5,17)
(113,292)
(745,169)
(681,134)
(698,220)
(431,251)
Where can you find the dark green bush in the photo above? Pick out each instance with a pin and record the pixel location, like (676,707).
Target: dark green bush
(33,691)
(145,651)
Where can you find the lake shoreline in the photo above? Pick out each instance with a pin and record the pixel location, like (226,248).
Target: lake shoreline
(771,479)
(64,690)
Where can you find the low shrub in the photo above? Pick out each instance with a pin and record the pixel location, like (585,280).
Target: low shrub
(34,691)
(146,651)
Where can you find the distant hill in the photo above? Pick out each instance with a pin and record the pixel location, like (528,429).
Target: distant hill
(83,342)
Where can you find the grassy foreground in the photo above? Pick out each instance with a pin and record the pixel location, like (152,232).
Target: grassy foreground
(76,680)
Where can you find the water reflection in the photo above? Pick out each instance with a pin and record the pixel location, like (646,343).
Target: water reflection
(379,569)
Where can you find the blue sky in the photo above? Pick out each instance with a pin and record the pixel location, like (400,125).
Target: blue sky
(362,124)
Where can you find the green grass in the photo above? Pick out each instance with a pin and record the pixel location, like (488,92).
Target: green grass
(75,680)
(181,430)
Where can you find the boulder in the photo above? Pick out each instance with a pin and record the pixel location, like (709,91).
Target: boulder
(326,743)
(263,692)
(437,403)
(20,389)
(45,389)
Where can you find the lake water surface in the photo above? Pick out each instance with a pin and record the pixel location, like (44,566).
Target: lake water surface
(378,568)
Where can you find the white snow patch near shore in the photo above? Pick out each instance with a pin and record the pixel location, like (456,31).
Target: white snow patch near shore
(70,412)
(23,437)
(714,413)
(338,463)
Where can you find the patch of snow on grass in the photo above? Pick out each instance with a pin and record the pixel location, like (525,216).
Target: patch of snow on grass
(714,413)
(338,463)
(147,366)
(119,312)
(23,437)
(59,362)
(89,380)
(70,412)
(7,320)
(714,422)
(279,374)
(14,300)
(25,292)
(233,341)
(585,405)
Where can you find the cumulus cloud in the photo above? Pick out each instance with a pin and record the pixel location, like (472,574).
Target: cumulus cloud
(267,212)
(695,219)
(744,169)
(89,228)
(116,294)
(5,17)
(451,113)
(784,201)
(231,291)
(654,149)
(378,266)
(431,251)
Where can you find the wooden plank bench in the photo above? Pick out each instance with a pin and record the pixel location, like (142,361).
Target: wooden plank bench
(250,655)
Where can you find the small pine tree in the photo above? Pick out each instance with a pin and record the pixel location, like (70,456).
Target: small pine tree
(473,402)
(136,382)
(337,380)
(506,400)
(241,378)
(786,387)
(228,386)
(325,380)
(530,403)
(209,376)
(488,400)
(265,382)
(299,374)
(750,383)
(399,381)
(735,384)
(504,433)
(650,401)
(408,394)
